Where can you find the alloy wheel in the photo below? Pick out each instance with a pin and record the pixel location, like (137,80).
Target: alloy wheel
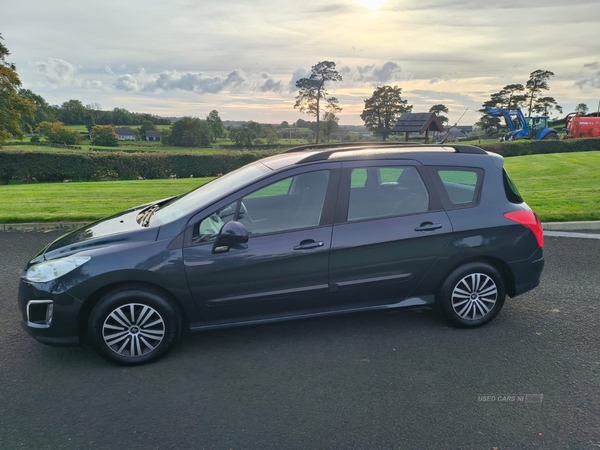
(474,296)
(133,330)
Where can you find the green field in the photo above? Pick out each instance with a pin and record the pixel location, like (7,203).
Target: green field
(146,146)
(559,187)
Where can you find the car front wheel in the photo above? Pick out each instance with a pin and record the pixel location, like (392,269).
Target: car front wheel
(134,325)
(472,294)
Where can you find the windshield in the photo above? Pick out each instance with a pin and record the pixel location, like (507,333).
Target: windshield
(211,191)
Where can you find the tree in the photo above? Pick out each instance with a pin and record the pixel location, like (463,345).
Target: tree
(104,135)
(57,133)
(582,109)
(312,91)
(284,124)
(330,125)
(242,136)
(440,108)
(146,126)
(272,137)
(14,109)
(538,82)
(216,125)
(383,109)
(95,109)
(43,111)
(544,105)
(72,112)
(513,95)
(120,116)
(89,121)
(190,132)
(301,123)
(489,124)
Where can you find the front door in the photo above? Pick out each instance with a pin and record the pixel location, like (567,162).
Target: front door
(283,268)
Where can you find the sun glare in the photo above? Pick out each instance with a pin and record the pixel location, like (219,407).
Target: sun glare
(371,4)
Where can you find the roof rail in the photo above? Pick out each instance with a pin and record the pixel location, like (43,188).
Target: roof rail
(348,145)
(326,150)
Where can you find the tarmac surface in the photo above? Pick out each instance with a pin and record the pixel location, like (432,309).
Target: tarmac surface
(394,380)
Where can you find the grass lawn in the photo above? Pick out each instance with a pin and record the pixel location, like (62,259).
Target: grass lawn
(559,187)
(54,202)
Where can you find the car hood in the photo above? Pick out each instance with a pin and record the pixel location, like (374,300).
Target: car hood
(118,229)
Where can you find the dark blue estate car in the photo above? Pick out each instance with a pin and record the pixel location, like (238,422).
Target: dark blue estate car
(313,231)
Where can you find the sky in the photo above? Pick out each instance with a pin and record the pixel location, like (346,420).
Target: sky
(243,57)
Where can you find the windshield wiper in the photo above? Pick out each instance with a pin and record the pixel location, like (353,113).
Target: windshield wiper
(143,218)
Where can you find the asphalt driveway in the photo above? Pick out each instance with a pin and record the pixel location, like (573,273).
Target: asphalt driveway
(529,379)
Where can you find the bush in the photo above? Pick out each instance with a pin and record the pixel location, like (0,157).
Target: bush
(521,148)
(25,165)
(104,135)
(57,133)
(35,139)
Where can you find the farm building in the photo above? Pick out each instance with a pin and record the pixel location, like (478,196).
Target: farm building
(418,123)
(153,135)
(125,134)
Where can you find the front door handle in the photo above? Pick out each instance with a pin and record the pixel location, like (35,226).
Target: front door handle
(308,244)
(428,226)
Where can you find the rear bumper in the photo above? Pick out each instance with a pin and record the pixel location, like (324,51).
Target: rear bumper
(527,273)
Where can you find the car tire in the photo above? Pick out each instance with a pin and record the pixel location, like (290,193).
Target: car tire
(472,294)
(134,325)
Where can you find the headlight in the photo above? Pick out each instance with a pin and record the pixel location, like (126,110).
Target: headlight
(51,270)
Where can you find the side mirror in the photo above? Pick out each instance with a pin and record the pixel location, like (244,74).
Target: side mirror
(232,233)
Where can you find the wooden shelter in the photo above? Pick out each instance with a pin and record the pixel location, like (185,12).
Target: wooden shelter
(418,123)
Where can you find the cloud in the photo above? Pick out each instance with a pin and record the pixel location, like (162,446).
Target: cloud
(269,84)
(107,69)
(127,83)
(195,82)
(298,73)
(94,84)
(338,8)
(592,79)
(375,74)
(58,72)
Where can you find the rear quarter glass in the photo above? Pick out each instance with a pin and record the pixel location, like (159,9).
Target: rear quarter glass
(510,188)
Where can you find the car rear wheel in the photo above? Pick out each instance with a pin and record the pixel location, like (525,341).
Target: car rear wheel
(472,294)
(134,325)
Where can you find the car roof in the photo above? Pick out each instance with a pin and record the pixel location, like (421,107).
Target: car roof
(363,150)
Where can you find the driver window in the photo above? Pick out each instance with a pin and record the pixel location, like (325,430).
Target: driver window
(290,204)
(209,228)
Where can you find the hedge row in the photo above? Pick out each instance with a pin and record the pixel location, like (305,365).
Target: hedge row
(46,166)
(521,148)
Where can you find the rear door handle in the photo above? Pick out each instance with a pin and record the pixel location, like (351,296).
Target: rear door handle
(308,244)
(428,226)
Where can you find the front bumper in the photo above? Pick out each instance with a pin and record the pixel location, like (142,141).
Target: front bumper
(62,328)
(527,273)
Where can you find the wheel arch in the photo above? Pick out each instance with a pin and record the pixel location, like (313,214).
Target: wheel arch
(94,298)
(496,263)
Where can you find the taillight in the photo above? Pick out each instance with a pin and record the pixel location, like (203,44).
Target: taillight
(530,220)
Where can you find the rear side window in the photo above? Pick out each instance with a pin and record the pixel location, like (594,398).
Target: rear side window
(512,193)
(460,185)
(377,192)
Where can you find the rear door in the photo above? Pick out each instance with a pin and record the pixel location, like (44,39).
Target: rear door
(389,230)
